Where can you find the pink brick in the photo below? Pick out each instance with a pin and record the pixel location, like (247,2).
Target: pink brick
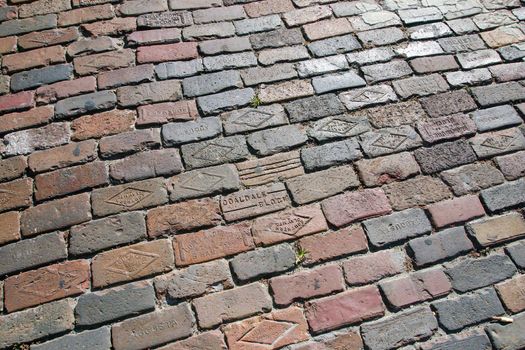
(21,120)
(8,44)
(64,89)
(161,113)
(34,58)
(455,210)
(349,207)
(372,267)
(268,7)
(169,52)
(307,284)
(155,36)
(126,76)
(13,102)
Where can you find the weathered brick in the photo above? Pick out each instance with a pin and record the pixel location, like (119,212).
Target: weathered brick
(22,120)
(504,196)
(10,221)
(285,91)
(8,45)
(269,169)
(259,24)
(161,113)
(445,128)
(218,14)
(496,118)
(13,167)
(343,309)
(126,76)
(155,36)
(211,83)
(327,28)
(368,96)
(27,25)
(448,103)
(263,262)
(146,164)
(475,59)
(331,46)
(314,107)
(129,142)
(218,242)
(230,61)
(85,15)
(46,284)
(16,194)
(38,77)
(52,93)
(455,210)
(503,35)
(225,101)
(416,192)
(270,141)
(14,102)
(420,86)
(63,156)
(444,156)
(498,93)
(104,61)
(83,104)
(93,339)
(228,45)
(510,292)
(96,45)
(194,4)
(267,7)
(34,58)
(330,154)
(389,140)
(233,304)
(338,127)
(160,91)
(216,151)
(472,77)
(48,38)
(512,165)
(497,229)
(111,27)
(508,336)
(383,170)
(434,64)
(283,54)
(472,178)
(467,341)
(134,7)
(168,52)
(102,124)
(27,141)
(175,134)
(208,340)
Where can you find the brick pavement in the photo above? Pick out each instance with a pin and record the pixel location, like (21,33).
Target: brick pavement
(262,174)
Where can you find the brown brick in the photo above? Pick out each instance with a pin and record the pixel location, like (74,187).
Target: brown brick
(56,215)
(85,14)
(132,262)
(155,36)
(350,340)
(270,169)
(63,156)
(268,7)
(10,223)
(34,58)
(332,245)
(104,61)
(7,44)
(65,181)
(218,242)
(126,76)
(434,64)
(46,284)
(12,168)
(129,142)
(415,192)
(181,217)
(497,229)
(43,7)
(159,91)
(48,38)
(112,27)
(63,89)
(383,170)
(14,102)
(21,120)
(327,28)
(103,124)
(213,340)
(16,194)
(373,267)
(162,113)
(455,210)
(511,292)
(168,52)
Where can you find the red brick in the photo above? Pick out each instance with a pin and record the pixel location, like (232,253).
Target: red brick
(161,113)
(155,36)
(16,194)
(48,38)
(63,156)
(268,7)
(169,52)
(181,217)
(349,207)
(14,102)
(21,120)
(344,309)
(132,262)
(126,76)
(331,245)
(34,58)
(7,45)
(219,242)
(112,27)
(373,267)
(512,292)
(129,142)
(85,14)
(10,224)
(275,330)
(46,284)
(416,287)
(52,93)
(103,124)
(213,340)
(457,210)
(93,64)
(65,181)
(13,167)
(307,284)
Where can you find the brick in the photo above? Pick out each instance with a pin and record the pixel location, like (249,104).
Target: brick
(440,246)
(129,142)
(136,195)
(332,128)
(508,336)
(211,30)
(85,15)
(457,313)
(34,58)
(208,340)
(327,28)
(225,101)
(498,93)
(314,107)
(195,280)
(39,322)
(16,194)
(285,91)
(102,124)
(8,12)
(343,309)
(146,164)
(389,140)
(211,83)
(455,210)
(132,262)
(193,4)
(330,154)
(283,54)
(14,102)
(165,19)
(22,120)
(377,54)
(502,36)
(376,37)
(416,287)
(213,152)
(263,262)
(134,7)
(383,170)
(446,128)
(448,103)
(496,118)
(400,329)
(306,15)
(434,64)
(368,96)
(510,291)
(46,284)
(38,77)
(168,52)
(57,91)
(475,59)
(467,341)
(444,156)
(307,284)
(416,192)
(504,196)
(420,86)
(232,305)
(386,71)
(276,334)
(472,77)
(259,24)
(160,91)
(331,46)
(472,178)
(331,245)
(350,339)
(234,60)
(179,69)
(10,221)
(270,141)
(512,166)
(153,329)
(228,45)
(97,45)
(111,27)
(104,61)
(218,242)
(337,82)
(62,156)
(496,229)
(126,76)
(8,45)
(30,253)
(162,113)
(27,25)
(155,36)
(374,20)
(48,38)
(418,49)
(394,115)
(27,141)
(94,339)
(83,104)
(268,7)
(13,167)
(218,14)
(277,167)
(106,233)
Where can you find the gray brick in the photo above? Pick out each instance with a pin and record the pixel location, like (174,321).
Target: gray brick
(330,154)
(470,274)
(374,20)
(344,9)
(444,156)
(462,26)
(130,7)
(263,262)
(30,140)
(4,84)
(283,54)
(271,141)
(504,196)
(193,4)
(111,304)
(160,91)
(165,19)
(230,61)
(476,59)
(386,71)
(397,227)
(508,71)
(383,36)
(335,45)
(129,142)
(510,336)
(204,182)
(98,339)
(389,140)
(462,43)
(397,114)
(429,31)
(179,69)
(7,12)
(106,233)
(320,66)
(496,118)
(337,127)
(448,103)
(78,105)
(517,253)
(30,253)
(472,178)
(498,142)
(342,81)
(368,96)
(420,86)
(418,49)
(277,72)
(314,107)
(217,151)
(440,246)
(499,93)
(467,341)
(211,30)
(400,329)
(420,15)
(512,165)
(250,119)
(225,101)
(277,38)
(201,129)
(512,52)
(89,46)
(472,77)
(260,24)
(306,15)
(42,76)
(211,83)
(228,45)
(36,323)
(457,313)
(27,25)
(377,54)
(219,14)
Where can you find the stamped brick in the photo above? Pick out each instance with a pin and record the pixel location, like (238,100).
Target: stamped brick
(270,141)
(394,115)
(174,134)
(48,38)
(445,128)
(368,96)
(111,27)
(510,291)
(216,151)
(420,86)
(498,142)
(270,169)
(225,101)
(389,140)
(415,192)
(160,91)
(208,340)
(102,124)
(161,113)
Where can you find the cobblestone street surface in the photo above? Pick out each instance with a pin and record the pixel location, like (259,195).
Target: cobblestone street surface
(262,174)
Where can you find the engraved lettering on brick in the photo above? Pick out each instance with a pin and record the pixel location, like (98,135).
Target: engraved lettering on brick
(338,126)
(158,327)
(166,19)
(253,118)
(266,170)
(129,197)
(261,199)
(268,332)
(48,283)
(202,182)
(213,151)
(289,225)
(390,141)
(368,96)
(501,142)
(446,127)
(132,262)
